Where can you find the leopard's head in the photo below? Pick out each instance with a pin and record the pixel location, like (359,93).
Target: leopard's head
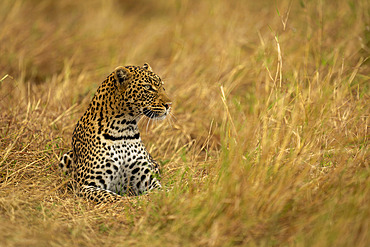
(141,92)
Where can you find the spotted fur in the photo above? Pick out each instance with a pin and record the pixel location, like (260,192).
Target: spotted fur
(108,158)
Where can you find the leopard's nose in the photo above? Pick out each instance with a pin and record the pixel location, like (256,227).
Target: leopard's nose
(167,104)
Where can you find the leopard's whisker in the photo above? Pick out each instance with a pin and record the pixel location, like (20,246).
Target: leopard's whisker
(173,116)
(138,116)
(169,120)
(149,118)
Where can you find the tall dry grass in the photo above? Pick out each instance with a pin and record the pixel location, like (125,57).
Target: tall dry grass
(268,145)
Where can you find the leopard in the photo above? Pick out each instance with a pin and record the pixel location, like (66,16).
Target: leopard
(108,159)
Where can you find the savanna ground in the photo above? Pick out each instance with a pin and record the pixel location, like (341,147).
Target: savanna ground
(268,145)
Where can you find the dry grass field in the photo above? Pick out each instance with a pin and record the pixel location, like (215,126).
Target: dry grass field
(269,140)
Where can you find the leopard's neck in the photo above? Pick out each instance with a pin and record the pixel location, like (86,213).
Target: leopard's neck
(121,129)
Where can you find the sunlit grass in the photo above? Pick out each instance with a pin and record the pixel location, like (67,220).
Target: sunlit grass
(267,146)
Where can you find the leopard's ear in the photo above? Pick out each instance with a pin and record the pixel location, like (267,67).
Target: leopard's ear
(121,74)
(147,67)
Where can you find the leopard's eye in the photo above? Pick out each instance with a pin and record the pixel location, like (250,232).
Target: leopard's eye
(148,87)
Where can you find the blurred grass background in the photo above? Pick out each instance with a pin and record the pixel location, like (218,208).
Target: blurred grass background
(269,141)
